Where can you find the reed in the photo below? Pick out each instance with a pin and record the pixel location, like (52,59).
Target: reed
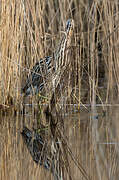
(30,30)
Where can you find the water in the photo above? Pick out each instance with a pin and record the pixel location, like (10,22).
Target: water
(90,146)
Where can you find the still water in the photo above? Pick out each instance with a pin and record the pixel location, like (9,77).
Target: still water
(91,148)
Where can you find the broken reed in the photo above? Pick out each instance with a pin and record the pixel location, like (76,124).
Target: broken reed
(31,30)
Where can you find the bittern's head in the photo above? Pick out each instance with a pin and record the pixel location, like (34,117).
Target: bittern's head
(69,26)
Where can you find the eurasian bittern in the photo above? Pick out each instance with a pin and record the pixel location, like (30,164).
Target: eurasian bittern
(49,66)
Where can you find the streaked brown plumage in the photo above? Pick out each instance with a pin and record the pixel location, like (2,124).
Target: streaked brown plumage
(49,65)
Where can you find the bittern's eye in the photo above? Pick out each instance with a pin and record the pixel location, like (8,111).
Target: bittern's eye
(68,24)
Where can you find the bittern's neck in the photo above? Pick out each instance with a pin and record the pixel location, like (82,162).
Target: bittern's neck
(59,53)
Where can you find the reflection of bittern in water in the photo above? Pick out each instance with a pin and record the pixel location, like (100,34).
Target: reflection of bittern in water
(51,150)
(49,68)
(41,152)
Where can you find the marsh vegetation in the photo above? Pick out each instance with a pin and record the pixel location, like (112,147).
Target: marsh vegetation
(85,104)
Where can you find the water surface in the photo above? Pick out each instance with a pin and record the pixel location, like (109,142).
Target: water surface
(92,143)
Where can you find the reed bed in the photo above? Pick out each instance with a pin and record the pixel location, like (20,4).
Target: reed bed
(31,30)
